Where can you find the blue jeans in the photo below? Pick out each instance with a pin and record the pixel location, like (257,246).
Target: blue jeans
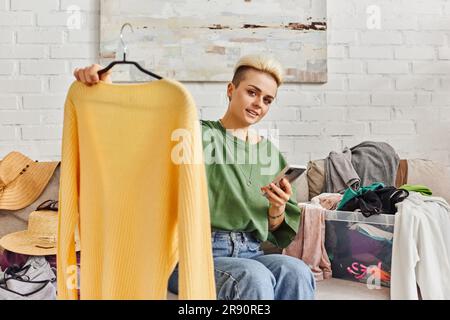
(243,272)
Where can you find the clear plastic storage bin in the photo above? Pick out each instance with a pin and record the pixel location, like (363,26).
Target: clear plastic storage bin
(360,248)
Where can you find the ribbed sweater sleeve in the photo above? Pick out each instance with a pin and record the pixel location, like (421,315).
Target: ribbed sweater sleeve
(196,269)
(68,205)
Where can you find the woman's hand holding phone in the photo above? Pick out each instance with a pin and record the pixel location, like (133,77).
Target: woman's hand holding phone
(278,196)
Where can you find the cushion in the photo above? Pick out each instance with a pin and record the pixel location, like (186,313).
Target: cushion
(434,175)
(316,177)
(301,188)
(402,173)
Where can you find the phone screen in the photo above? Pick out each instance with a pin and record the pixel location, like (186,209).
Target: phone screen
(292,174)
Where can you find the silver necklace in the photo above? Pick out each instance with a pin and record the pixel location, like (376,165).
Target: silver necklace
(249,178)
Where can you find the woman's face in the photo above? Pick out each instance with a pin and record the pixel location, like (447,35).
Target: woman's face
(251,99)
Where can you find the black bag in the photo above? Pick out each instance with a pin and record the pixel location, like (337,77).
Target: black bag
(380,201)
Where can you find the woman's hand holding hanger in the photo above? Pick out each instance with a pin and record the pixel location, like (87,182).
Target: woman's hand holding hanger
(89,75)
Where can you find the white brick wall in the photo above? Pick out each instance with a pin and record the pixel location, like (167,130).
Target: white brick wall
(45,37)
(41,5)
(415,53)
(389,84)
(37,53)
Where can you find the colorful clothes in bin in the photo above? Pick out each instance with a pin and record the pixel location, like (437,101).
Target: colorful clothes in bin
(359,251)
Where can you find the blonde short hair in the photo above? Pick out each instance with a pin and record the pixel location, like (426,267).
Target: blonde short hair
(258,62)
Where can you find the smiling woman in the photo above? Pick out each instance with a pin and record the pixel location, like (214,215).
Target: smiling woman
(251,92)
(241,217)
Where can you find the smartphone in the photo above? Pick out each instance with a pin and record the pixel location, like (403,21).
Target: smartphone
(290,172)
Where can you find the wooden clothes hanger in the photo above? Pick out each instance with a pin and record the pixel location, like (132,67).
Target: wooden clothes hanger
(124,60)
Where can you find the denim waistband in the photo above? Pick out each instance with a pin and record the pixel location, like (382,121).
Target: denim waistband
(239,235)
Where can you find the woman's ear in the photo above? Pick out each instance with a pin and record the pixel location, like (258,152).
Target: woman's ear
(230,90)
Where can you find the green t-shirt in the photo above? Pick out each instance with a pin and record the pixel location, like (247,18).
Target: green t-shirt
(235,204)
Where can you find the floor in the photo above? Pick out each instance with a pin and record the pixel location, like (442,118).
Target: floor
(337,289)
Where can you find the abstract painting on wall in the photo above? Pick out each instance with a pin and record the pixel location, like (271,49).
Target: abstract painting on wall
(201,40)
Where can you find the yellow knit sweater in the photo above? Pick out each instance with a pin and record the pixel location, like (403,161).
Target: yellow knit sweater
(139,208)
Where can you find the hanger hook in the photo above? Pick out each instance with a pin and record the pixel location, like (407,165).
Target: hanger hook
(121,39)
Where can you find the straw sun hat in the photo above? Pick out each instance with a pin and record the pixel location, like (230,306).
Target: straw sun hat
(22,180)
(40,239)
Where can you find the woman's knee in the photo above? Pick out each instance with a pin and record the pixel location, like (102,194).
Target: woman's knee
(256,272)
(278,263)
(301,276)
(245,279)
(287,268)
(300,268)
